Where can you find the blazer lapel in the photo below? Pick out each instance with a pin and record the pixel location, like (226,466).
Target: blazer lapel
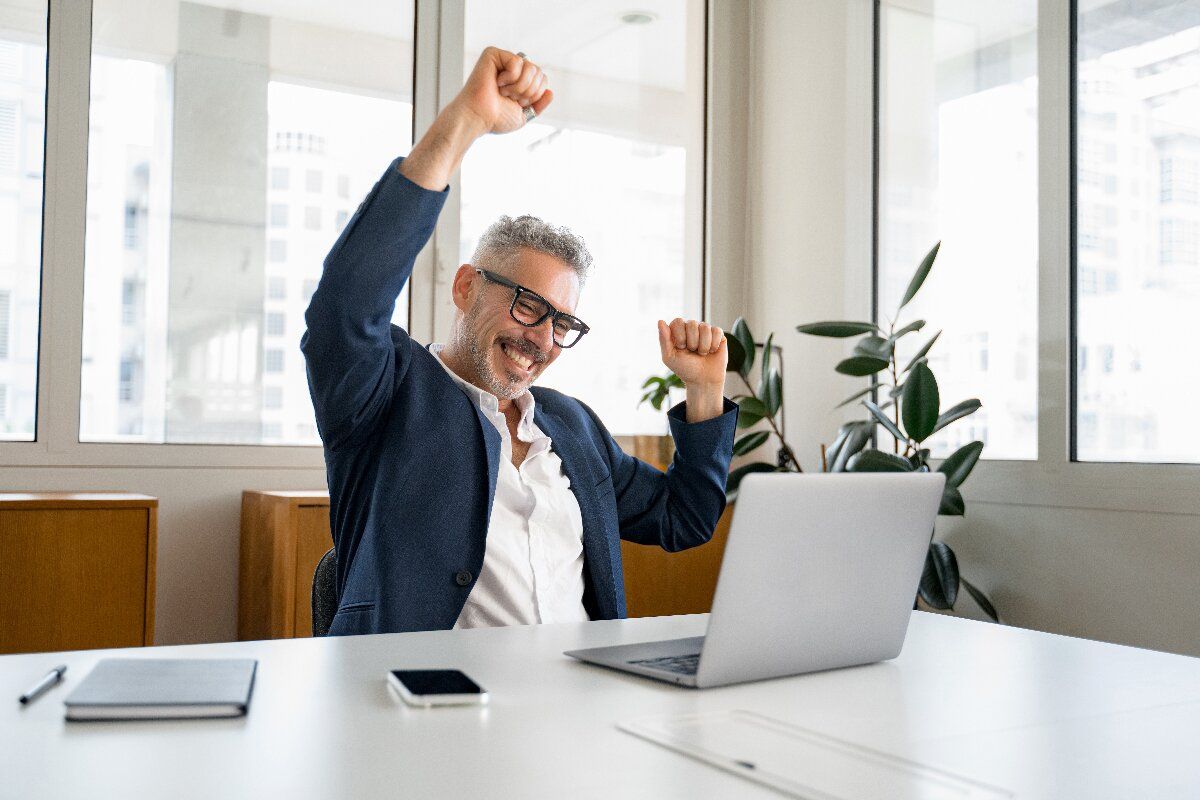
(491,443)
(491,437)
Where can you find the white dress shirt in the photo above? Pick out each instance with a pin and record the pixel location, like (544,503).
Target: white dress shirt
(533,560)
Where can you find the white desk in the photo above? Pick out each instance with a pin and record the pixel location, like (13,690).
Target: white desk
(1044,716)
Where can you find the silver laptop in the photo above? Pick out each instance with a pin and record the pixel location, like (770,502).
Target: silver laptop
(820,571)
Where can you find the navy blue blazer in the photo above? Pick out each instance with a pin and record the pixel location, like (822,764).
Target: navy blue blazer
(411,461)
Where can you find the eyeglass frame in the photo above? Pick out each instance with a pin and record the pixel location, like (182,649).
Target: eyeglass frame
(553,314)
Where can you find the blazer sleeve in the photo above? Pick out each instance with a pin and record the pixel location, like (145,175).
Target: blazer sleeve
(353,363)
(680,508)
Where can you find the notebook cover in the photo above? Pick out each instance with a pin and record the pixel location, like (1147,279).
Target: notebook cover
(119,687)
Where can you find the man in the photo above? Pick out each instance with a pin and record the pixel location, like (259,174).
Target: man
(459,496)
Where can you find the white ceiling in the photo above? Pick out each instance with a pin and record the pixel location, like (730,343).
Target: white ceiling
(966,26)
(588,36)
(583,36)
(392,18)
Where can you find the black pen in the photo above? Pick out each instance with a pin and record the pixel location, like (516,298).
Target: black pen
(52,677)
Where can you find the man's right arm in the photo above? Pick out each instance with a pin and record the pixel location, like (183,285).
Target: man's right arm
(348,346)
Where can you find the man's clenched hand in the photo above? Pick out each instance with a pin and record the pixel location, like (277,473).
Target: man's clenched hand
(698,354)
(499,87)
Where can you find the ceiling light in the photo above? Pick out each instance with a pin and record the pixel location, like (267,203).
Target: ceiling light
(638,17)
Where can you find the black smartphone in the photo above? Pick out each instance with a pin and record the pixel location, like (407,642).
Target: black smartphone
(436,687)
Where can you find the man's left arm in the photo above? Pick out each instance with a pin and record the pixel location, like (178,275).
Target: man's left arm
(680,509)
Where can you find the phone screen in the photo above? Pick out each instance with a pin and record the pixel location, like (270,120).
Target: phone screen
(436,681)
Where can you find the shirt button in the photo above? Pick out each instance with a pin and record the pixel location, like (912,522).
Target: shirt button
(462,578)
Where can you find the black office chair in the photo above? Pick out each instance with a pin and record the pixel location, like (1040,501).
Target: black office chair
(324,593)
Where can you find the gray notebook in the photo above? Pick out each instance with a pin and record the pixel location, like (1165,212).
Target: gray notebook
(157,688)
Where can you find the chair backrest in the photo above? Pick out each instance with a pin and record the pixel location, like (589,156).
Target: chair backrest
(324,593)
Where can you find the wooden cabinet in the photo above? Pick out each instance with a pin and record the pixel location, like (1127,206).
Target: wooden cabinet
(658,583)
(76,570)
(284,535)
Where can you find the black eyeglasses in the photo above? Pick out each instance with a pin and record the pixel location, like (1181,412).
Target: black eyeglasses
(531,309)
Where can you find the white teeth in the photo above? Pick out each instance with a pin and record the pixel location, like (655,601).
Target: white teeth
(517,357)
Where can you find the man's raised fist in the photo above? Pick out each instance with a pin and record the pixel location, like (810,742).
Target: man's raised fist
(500,87)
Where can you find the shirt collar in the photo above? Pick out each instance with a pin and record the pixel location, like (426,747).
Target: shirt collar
(488,401)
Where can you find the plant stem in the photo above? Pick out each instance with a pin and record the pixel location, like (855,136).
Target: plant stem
(787,449)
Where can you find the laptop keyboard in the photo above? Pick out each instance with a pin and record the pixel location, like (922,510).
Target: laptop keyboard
(682,665)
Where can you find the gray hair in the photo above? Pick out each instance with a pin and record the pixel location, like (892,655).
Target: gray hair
(501,242)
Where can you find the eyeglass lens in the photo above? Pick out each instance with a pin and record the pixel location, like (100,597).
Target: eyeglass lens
(529,309)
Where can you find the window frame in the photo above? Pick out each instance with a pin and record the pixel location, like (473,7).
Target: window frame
(1056,479)
(438,74)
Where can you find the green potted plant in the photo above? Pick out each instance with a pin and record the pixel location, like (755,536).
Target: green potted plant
(912,398)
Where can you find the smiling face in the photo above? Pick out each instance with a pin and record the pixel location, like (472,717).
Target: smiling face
(489,348)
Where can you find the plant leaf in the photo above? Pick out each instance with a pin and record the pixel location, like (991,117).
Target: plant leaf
(919,403)
(878,414)
(766,357)
(920,275)
(753,405)
(916,325)
(878,461)
(963,409)
(674,380)
(742,331)
(958,465)
(859,366)
(750,411)
(952,503)
(939,581)
(735,353)
(924,351)
(735,478)
(749,442)
(874,347)
(858,436)
(653,379)
(839,330)
(980,598)
(920,458)
(772,392)
(854,397)
(655,397)
(831,452)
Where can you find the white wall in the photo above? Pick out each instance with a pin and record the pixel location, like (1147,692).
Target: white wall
(1118,576)
(809,197)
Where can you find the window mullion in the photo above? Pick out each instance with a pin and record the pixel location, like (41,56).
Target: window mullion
(440,268)
(425,107)
(1055,213)
(60,349)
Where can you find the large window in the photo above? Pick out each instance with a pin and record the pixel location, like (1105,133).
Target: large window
(1137,255)
(229,143)
(22,134)
(958,163)
(617,158)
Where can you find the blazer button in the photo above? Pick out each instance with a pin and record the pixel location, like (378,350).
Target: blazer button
(462,578)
